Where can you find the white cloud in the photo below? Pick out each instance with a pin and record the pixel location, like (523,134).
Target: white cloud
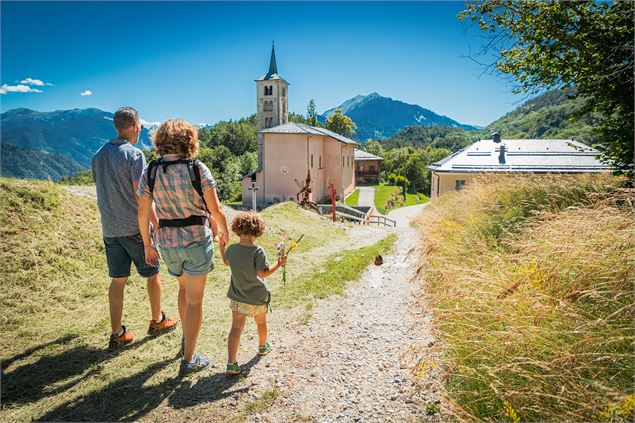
(18,89)
(31,81)
(87,92)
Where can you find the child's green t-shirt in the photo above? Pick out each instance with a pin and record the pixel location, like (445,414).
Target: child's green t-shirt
(245,286)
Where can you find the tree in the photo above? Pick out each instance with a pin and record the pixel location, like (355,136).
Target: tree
(311,114)
(583,44)
(374,147)
(340,123)
(239,137)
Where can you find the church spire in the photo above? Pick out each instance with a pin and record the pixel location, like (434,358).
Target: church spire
(273,67)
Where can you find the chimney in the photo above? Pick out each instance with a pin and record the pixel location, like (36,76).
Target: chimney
(496,137)
(501,155)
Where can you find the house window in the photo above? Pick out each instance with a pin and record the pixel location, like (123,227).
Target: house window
(458,184)
(361,168)
(320,162)
(311,161)
(372,168)
(342,161)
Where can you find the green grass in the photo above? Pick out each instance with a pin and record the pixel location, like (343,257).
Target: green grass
(262,403)
(387,197)
(530,284)
(55,311)
(412,199)
(352,199)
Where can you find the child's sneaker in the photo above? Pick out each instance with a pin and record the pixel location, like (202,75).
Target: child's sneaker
(166,325)
(198,363)
(232,369)
(117,342)
(264,350)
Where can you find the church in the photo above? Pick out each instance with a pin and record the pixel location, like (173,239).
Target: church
(290,153)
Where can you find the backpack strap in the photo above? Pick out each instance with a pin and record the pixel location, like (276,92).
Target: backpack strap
(152,174)
(195,178)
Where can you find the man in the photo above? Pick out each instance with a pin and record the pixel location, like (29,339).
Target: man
(117,168)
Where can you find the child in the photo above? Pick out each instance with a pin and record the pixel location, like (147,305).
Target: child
(248,290)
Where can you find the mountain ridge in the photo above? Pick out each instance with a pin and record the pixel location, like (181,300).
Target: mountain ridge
(380,117)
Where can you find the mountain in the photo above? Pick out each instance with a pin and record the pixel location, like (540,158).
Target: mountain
(25,163)
(553,114)
(70,136)
(380,117)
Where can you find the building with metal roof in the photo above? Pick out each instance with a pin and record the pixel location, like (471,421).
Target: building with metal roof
(513,156)
(367,167)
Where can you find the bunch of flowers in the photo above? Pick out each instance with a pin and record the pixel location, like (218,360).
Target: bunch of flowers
(282,251)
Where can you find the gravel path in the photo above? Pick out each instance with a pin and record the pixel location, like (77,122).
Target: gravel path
(353,361)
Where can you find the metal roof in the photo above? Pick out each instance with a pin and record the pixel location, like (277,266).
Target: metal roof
(364,155)
(300,128)
(528,155)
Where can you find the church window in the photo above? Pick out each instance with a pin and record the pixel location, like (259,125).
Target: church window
(311,161)
(320,162)
(284,91)
(342,161)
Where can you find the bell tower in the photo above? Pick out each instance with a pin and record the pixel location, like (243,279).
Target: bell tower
(272,101)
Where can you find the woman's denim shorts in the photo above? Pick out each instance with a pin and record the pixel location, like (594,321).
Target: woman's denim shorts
(195,259)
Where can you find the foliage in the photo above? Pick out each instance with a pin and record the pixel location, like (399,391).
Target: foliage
(530,283)
(388,197)
(340,123)
(583,44)
(239,137)
(81,178)
(20,162)
(412,164)
(436,136)
(374,147)
(550,115)
(311,114)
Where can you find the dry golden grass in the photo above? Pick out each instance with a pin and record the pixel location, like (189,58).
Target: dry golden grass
(531,281)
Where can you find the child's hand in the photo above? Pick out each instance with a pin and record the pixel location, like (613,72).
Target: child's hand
(282,260)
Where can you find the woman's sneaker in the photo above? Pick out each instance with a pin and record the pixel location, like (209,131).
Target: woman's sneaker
(167,325)
(117,342)
(232,369)
(265,350)
(198,363)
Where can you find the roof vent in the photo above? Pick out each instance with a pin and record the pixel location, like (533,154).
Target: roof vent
(496,137)
(501,155)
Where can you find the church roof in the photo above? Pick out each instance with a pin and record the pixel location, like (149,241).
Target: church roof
(273,68)
(300,128)
(528,155)
(364,155)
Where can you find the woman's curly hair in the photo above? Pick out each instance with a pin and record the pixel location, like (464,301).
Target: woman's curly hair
(176,136)
(248,223)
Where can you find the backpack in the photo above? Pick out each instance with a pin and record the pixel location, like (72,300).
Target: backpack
(195,178)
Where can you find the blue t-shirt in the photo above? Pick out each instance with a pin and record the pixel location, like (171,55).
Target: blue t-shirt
(116,166)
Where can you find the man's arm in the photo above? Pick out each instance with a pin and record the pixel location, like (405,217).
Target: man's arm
(151,253)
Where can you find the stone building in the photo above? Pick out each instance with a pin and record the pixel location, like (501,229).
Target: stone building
(288,152)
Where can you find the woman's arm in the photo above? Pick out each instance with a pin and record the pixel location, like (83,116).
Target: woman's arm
(216,208)
(145,210)
(222,251)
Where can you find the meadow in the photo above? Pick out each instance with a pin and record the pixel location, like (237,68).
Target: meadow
(55,308)
(531,284)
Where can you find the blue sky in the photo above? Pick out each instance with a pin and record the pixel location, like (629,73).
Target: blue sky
(198,60)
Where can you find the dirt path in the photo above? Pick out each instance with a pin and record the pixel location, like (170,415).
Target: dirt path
(351,361)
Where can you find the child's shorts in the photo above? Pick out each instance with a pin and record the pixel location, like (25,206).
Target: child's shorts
(247,309)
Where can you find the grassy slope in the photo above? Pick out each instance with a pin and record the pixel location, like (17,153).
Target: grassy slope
(55,309)
(533,300)
(352,199)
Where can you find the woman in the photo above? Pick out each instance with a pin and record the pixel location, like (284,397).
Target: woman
(183,191)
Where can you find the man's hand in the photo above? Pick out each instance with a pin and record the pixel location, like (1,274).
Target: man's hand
(151,254)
